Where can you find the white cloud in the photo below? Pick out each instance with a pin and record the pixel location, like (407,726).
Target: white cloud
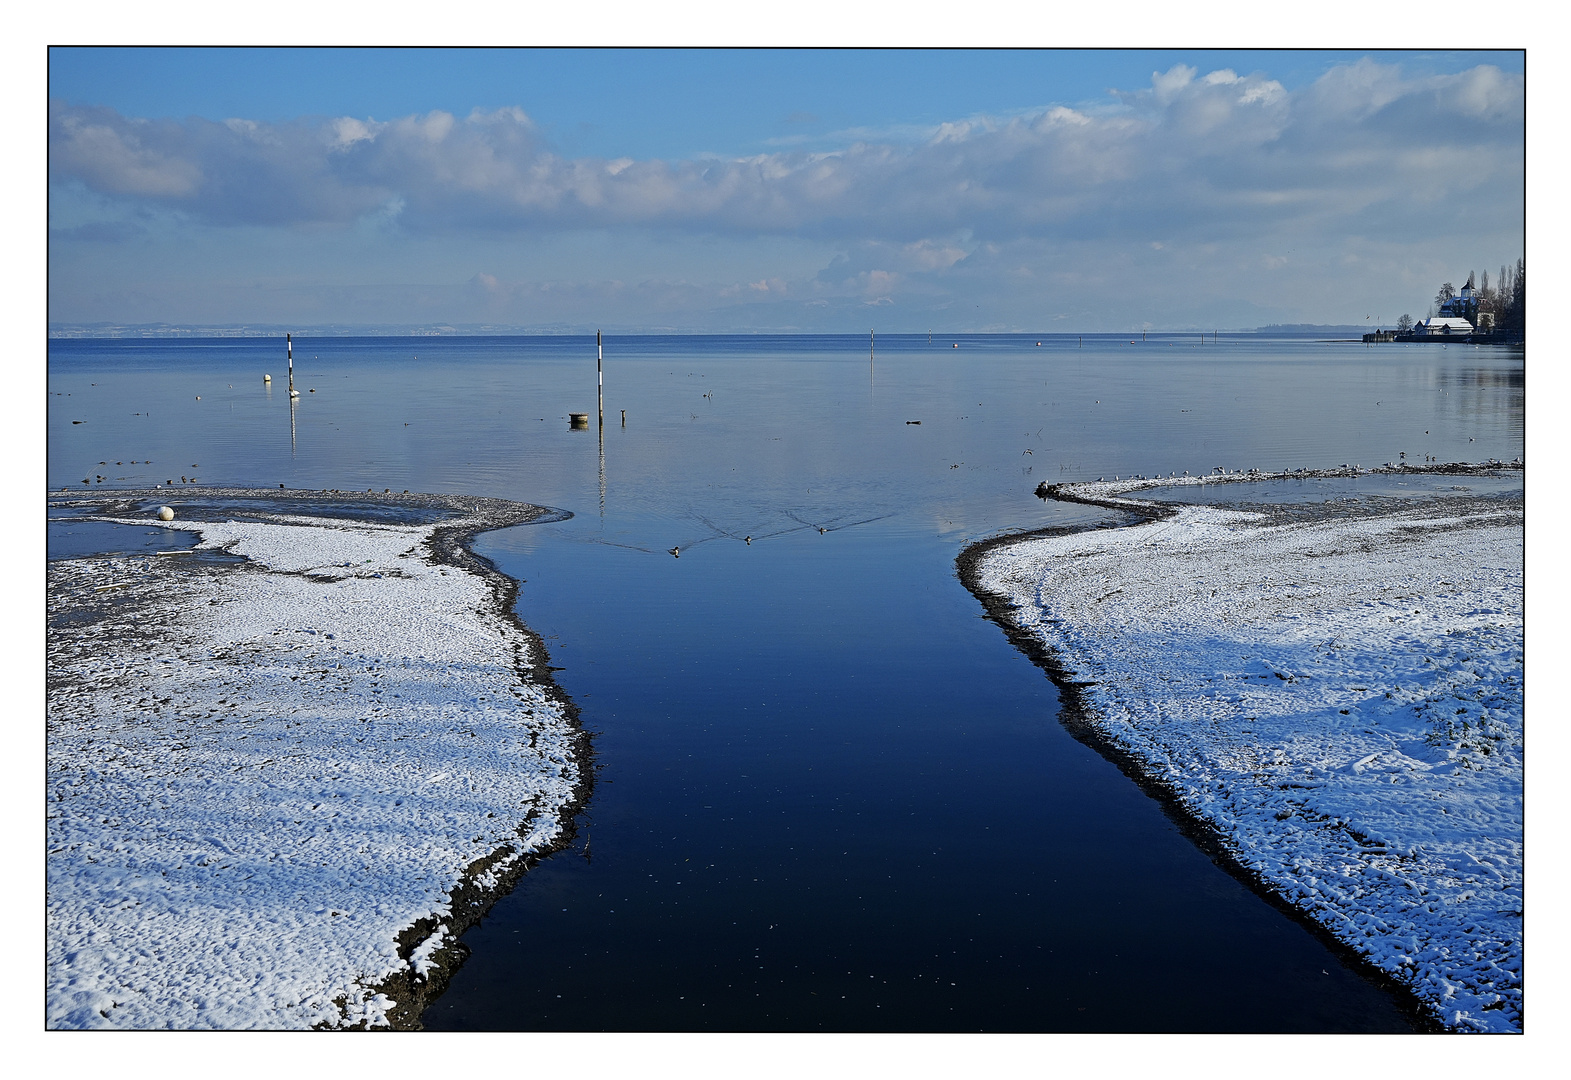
(1220,161)
(1188,149)
(345,131)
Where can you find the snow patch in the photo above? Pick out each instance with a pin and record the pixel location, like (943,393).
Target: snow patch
(260,773)
(1340,699)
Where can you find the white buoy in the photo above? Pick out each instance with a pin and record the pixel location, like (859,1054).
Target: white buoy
(267,378)
(166,513)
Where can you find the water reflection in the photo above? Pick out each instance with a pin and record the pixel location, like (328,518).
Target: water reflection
(831,795)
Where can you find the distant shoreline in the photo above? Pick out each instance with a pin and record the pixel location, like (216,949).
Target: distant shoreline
(163,332)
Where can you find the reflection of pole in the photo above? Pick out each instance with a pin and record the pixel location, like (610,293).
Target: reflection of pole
(291,427)
(600,402)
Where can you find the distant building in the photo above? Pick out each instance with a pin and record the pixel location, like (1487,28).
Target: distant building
(1464,305)
(1443,327)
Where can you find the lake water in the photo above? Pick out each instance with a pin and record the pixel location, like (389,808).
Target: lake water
(829,794)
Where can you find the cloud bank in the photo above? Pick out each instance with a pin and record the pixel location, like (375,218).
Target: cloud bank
(1362,158)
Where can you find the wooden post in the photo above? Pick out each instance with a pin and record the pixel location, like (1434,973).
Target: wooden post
(600,377)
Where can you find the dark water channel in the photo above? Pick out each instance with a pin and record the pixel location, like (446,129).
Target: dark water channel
(829,794)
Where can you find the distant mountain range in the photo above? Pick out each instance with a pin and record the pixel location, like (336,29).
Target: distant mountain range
(173,330)
(1324,328)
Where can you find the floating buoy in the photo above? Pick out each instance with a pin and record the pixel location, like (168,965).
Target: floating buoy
(267,378)
(166,513)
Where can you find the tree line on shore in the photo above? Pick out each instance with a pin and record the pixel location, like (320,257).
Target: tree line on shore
(1506,300)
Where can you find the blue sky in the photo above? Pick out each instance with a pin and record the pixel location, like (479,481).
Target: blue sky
(736,190)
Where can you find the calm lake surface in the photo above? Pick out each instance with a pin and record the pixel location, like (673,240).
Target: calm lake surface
(829,794)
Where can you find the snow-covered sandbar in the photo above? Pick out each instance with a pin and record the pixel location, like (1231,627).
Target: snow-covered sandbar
(1338,697)
(279,787)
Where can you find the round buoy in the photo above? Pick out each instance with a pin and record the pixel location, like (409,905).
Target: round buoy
(267,378)
(166,513)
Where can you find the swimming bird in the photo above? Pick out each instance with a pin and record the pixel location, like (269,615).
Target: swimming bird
(748,540)
(676,553)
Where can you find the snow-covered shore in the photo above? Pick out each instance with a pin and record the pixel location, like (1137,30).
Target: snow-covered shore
(1339,698)
(272,783)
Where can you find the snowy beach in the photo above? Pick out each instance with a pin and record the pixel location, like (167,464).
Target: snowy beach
(280,785)
(1336,691)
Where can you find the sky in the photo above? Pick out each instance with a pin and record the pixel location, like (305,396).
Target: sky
(776,190)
